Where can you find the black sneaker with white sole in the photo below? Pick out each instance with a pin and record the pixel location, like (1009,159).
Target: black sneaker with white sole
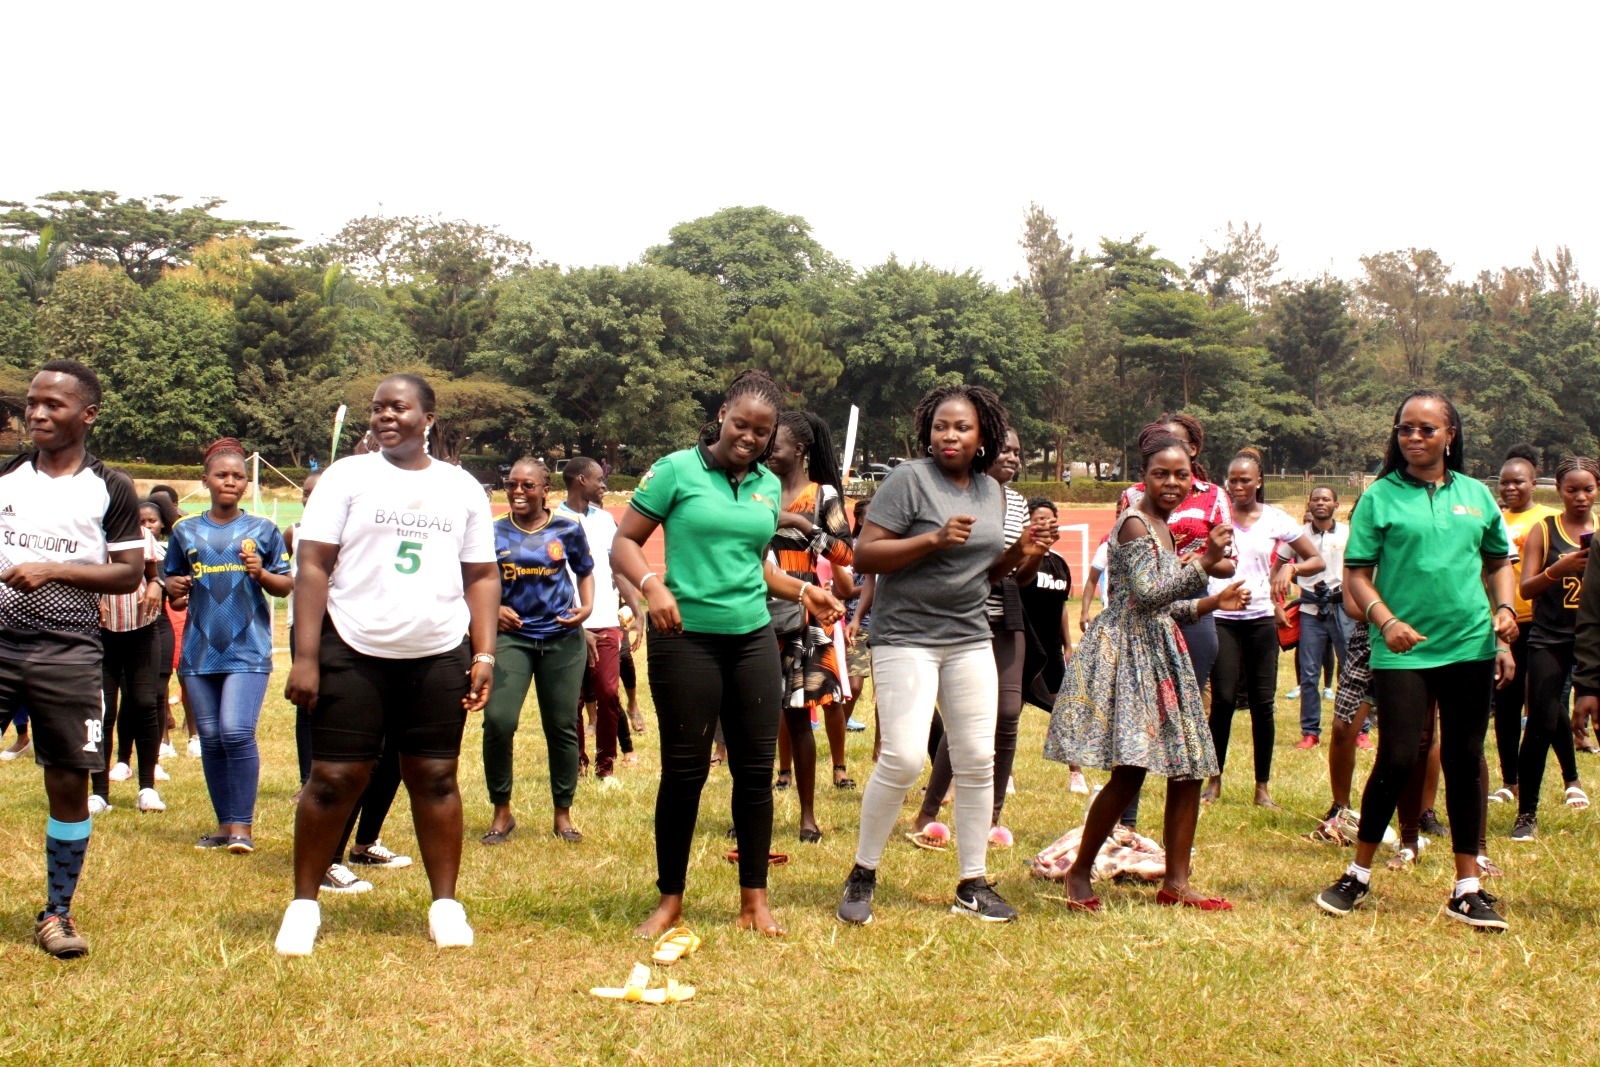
(1526,828)
(856,907)
(1430,824)
(1476,909)
(976,896)
(1343,896)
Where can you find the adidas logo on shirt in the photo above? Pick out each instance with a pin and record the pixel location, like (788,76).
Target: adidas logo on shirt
(7,510)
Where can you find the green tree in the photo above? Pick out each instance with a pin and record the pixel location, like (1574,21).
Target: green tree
(760,257)
(19,337)
(1241,270)
(465,409)
(1312,334)
(1180,343)
(1131,265)
(82,306)
(167,376)
(35,264)
(613,357)
(1409,295)
(287,365)
(788,344)
(140,235)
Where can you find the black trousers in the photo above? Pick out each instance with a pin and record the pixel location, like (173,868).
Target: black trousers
(1548,722)
(697,678)
(1247,663)
(1403,697)
(130,678)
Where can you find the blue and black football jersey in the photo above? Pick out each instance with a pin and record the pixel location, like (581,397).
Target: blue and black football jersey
(230,627)
(533,572)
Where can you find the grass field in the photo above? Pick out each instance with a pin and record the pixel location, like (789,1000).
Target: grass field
(183,971)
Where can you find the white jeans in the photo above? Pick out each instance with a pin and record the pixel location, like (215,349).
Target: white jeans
(963,681)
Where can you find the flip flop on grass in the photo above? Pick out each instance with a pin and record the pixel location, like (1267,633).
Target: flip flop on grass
(935,837)
(674,945)
(636,993)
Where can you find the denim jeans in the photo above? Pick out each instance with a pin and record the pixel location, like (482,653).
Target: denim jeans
(226,708)
(1316,632)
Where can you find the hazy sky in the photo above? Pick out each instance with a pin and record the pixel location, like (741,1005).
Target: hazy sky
(921,129)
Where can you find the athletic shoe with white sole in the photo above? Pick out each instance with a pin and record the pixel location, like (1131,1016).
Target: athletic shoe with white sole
(297,935)
(167,751)
(1343,896)
(1328,693)
(976,896)
(1526,828)
(447,924)
(375,855)
(1292,694)
(161,774)
(98,804)
(609,781)
(13,752)
(853,726)
(194,747)
(1078,785)
(149,800)
(121,772)
(341,879)
(1476,909)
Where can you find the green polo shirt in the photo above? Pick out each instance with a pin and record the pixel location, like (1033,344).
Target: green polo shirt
(717,534)
(1428,544)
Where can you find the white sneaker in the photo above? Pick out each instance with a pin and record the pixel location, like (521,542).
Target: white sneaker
(98,805)
(167,751)
(609,782)
(1328,694)
(1293,694)
(194,747)
(298,934)
(121,772)
(161,774)
(376,855)
(13,753)
(1078,784)
(447,925)
(341,879)
(1011,786)
(149,800)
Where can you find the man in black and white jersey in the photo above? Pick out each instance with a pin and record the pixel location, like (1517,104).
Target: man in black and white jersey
(69,531)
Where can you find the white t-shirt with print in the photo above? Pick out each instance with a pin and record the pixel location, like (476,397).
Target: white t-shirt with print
(396,590)
(1255,546)
(1330,546)
(601,530)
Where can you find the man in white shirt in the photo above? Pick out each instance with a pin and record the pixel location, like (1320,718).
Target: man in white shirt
(1322,618)
(586,491)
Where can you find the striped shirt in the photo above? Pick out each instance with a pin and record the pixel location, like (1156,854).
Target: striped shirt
(122,612)
(1016,519)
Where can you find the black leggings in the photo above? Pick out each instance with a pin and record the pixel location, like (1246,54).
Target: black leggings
(697,678)
(129,675)
(1403,698)
(1009,648)
(375,802)
(1548,723)
(1508,705)
(1247,664)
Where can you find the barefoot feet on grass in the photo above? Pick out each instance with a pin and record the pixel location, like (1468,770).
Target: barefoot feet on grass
(668,913)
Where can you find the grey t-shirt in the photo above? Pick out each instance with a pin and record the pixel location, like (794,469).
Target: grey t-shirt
(939,599)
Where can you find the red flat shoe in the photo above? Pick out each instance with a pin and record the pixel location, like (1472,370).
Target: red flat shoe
(1092,904)
(1172,900)
(1363,742)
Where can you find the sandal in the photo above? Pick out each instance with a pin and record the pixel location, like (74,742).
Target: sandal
(1487,868)
(935,837)
(810,837)
(674,945)
(1091,904)
(846,782)
(1173,900)
(774,859)
(499,837)
(1503,795)
(1402,859)
(1577,799)
(785,779)
(636,993)
(571,835)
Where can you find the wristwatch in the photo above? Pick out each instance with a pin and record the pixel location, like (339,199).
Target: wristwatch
(483,657)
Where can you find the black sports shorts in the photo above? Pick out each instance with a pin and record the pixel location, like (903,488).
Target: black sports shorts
(366,704)
(64,706)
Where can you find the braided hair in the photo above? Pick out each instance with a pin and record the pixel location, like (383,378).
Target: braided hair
(811,434)
(992,420)
(1456,460)
(1151,443)
(1569,464)
(1197,438)
(223,446)
(753,383)
(1250,455)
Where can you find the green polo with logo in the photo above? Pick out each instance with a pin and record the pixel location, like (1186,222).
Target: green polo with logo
(717,529)
(1428,544)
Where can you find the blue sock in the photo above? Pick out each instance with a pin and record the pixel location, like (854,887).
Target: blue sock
(65,845)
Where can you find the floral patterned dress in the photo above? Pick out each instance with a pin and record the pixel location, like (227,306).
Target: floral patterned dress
(1129,697)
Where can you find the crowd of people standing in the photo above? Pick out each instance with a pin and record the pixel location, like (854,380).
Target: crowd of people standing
(413,608)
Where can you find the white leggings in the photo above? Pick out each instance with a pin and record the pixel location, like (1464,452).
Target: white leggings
(963,681)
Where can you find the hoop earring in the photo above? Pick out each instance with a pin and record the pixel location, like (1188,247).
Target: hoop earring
(980,451)
(930,450)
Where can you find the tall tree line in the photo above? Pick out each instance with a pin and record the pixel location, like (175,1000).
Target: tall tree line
(202,324)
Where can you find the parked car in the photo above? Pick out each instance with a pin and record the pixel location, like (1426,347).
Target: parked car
(875,472)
